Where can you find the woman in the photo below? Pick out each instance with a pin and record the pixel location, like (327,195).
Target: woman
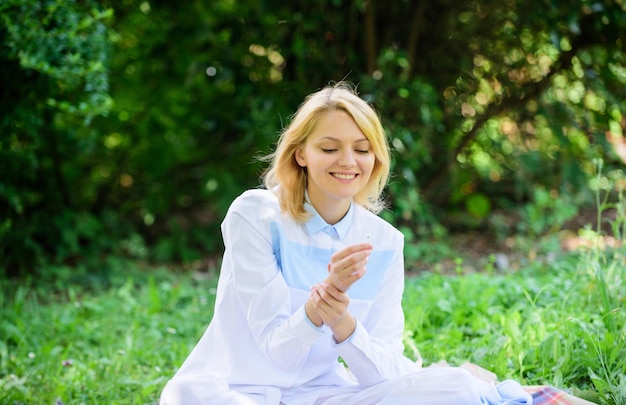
(308,307)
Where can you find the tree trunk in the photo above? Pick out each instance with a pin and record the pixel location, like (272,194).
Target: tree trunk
(370,37)
(416,31)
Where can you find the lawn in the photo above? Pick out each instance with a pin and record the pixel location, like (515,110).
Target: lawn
(116,337)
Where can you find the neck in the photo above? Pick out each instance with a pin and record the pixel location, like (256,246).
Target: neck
(332,212)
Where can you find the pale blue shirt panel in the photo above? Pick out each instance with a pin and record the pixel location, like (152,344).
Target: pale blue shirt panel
(305,264)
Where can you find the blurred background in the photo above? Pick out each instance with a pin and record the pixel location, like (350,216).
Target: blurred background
(128,127)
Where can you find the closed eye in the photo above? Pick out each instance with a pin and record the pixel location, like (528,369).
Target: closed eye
(328,150)
(362,151)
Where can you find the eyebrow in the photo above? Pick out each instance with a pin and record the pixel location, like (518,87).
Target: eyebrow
(330,138)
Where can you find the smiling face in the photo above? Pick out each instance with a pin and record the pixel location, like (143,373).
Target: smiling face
(339,161)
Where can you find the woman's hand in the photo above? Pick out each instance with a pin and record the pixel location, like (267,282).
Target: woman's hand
(331,305)
(348,265)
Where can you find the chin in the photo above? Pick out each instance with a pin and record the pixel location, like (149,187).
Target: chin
(345,196)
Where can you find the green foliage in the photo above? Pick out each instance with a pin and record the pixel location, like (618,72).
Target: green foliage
(610,194)
(63,46)
(607,271)
(147,116)
(55,81)
(546,213)
(541,219)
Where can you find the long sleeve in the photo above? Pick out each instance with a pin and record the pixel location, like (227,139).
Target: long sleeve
(374,352)
(283,336)
(260,339)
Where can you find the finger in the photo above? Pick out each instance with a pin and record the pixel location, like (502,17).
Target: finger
(325,295)
(350,250)
(354,277)
(334,297)
(330,289)
(322,307)
(343,280)
(357,274)
(318,302)
(351,263)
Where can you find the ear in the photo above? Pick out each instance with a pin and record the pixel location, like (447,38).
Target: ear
(299,155)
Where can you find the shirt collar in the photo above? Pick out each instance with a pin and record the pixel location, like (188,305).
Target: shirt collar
(316,223)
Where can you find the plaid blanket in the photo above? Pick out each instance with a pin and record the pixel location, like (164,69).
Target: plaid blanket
(546,395)
(542,394)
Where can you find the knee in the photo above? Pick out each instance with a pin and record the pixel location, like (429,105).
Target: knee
(437,386)
(172,393)
(198,389)
(468,387)
(182,390)
(192,389)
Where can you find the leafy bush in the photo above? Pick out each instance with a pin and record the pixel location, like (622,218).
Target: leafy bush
(54,69)
(118,115)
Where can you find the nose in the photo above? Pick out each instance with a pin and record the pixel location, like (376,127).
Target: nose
(347,159)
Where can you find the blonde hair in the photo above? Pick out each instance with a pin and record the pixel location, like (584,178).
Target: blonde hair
(289,181)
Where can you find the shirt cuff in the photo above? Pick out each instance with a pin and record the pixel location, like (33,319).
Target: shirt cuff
(302,327)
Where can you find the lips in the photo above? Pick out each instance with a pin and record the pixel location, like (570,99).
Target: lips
(344,176)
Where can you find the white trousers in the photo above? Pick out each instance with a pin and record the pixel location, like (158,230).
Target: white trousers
(428,386)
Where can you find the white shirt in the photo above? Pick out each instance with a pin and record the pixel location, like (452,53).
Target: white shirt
(260,340)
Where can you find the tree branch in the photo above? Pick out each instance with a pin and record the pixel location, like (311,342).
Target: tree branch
(511,102)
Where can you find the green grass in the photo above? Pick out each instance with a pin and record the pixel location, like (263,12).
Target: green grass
(81,343)
(561,323)
(117,337)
